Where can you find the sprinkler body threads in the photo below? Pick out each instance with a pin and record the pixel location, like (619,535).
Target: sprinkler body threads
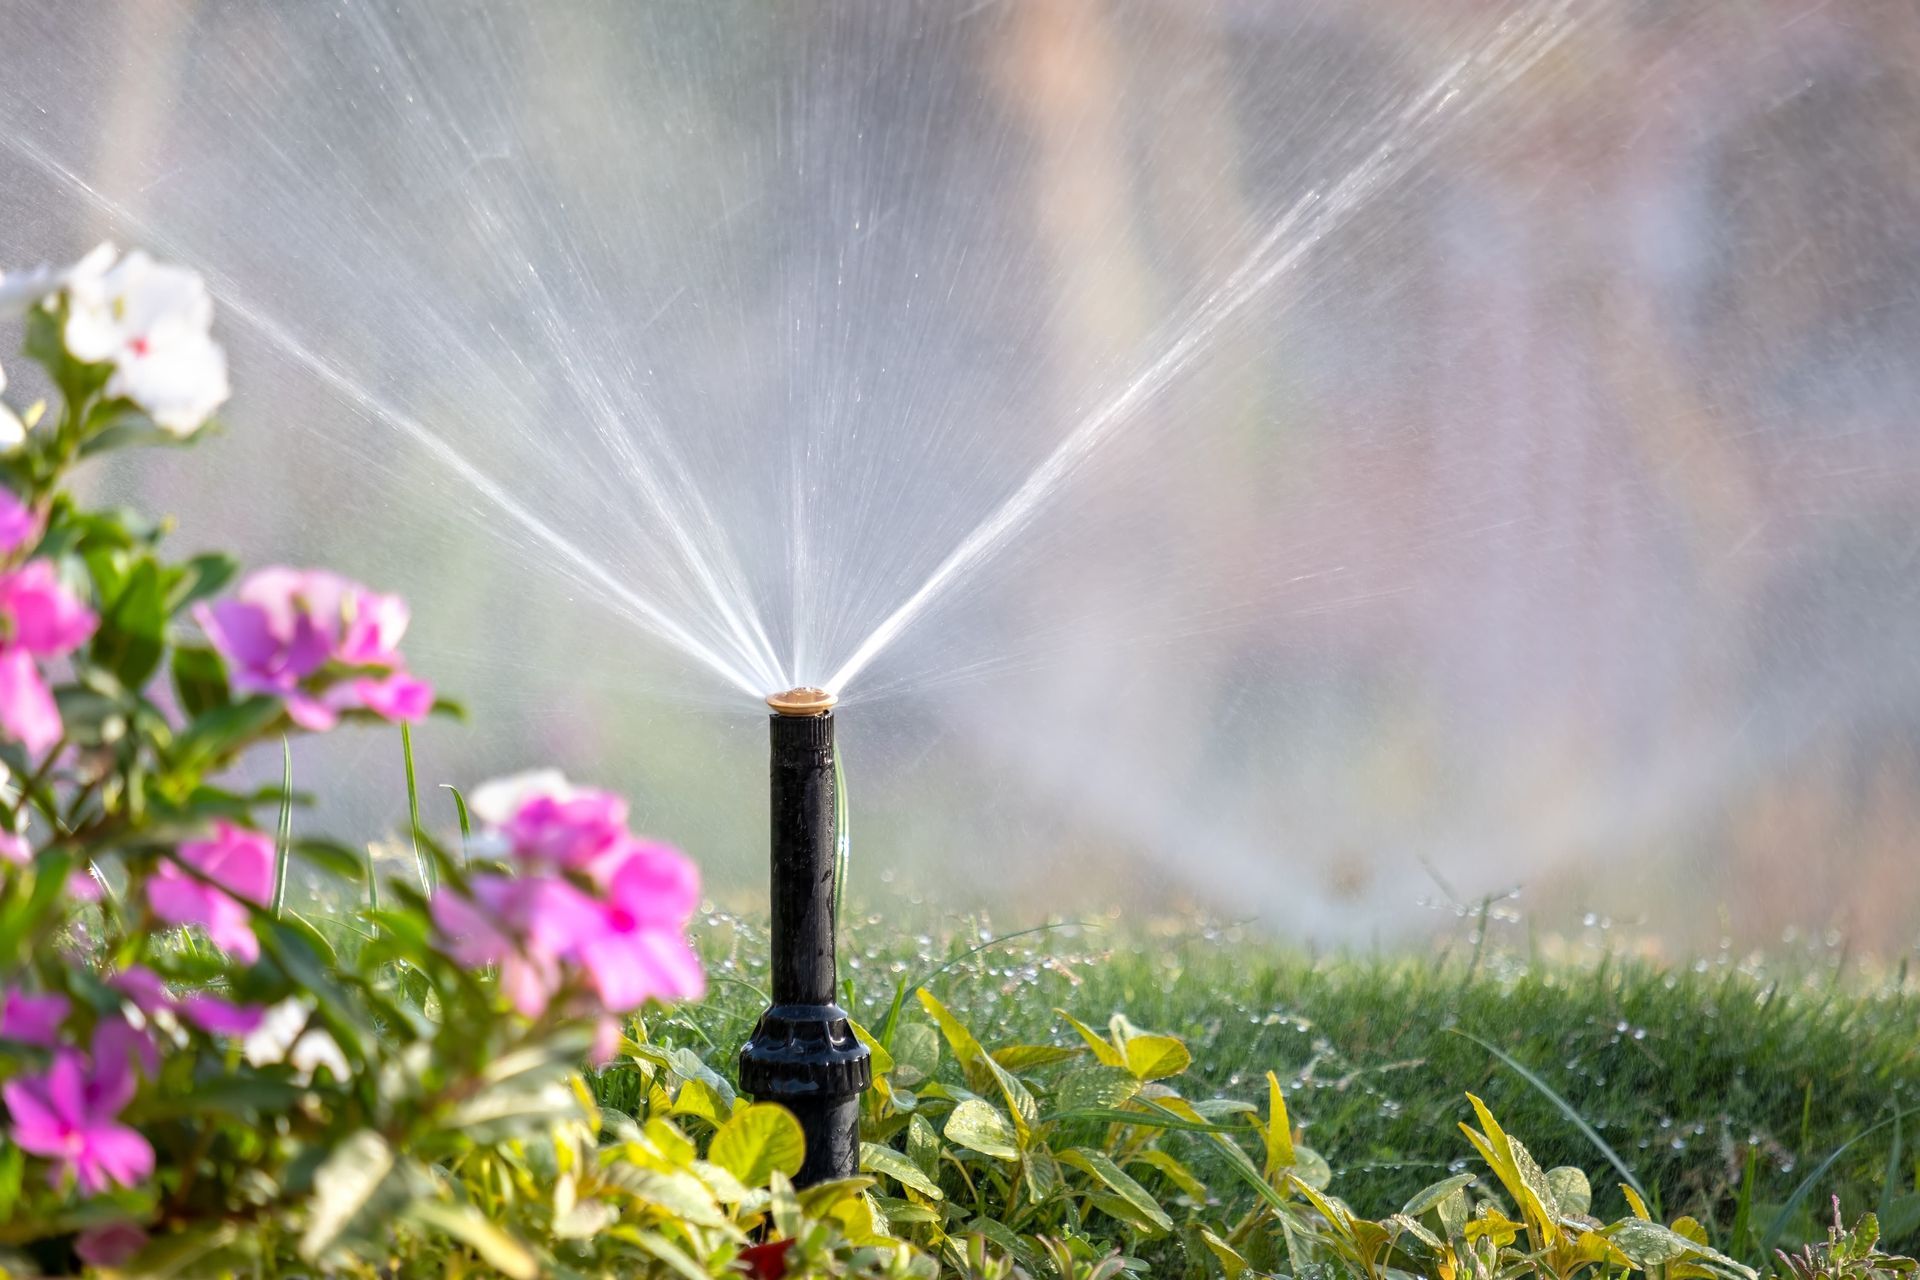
(803,1053)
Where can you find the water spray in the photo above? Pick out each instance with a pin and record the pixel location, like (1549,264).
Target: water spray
(803,1053)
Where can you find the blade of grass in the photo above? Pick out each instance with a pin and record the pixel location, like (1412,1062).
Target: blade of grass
(373,882)
(283,832)
(466,823)
(1891,1179)
(1566,1108)
(1812,1180)
(1740,1237)
(429,878)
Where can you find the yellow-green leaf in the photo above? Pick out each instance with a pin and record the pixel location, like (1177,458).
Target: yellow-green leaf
(879,1159)
(1279,1133)
(1157,1057)
(979,1126)
(959,1039)
(1230,1260)
(757,1142)
(1102,1050)
(1101,1166)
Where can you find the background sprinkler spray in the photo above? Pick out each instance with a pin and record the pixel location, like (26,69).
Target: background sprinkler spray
(803,1053)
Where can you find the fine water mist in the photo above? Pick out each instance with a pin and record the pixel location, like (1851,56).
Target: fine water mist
(1318,462)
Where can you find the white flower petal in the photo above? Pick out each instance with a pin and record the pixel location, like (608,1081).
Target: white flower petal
(495,802)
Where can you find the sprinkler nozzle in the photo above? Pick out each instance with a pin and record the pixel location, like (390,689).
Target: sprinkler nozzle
(804,701)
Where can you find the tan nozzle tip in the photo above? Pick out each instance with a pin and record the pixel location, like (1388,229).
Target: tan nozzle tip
(804,701)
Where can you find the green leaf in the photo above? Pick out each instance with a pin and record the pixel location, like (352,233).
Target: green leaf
(331,857)
(757,1142)
(131,638)
(216,732)
(886,1160)
(345,1184)
(1649,1244)
(979,1126)
(200,679)
(201,578)
(128,428)
(923,1145)
(1032,1057)
(1094,1084)
(1430,1197)
(1571,1190)
(1115,1179)
(916,1048)
(470,1227)
(959,1039)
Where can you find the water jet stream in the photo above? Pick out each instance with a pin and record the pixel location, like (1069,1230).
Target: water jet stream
(1514,47)
(586,569)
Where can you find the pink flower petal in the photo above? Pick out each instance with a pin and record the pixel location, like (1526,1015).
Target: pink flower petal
(32,1020)
(27,711)
(109,1245)
(220,1016)
(36,1126)
(397,697)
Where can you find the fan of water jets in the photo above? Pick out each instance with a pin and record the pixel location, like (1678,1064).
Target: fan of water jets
(1321,456)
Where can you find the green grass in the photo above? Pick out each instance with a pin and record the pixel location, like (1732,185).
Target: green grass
(1719,1086)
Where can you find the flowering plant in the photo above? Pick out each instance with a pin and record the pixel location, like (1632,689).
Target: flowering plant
(196,1077)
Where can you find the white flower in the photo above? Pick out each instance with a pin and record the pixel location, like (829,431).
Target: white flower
(20,290)
(151,322)
(13,432)
(278,1038)
(495,803)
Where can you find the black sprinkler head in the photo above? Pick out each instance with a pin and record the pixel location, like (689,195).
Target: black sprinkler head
(803,1053)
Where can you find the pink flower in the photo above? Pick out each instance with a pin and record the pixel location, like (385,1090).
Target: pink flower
(371,625)
(638,949)
(597,902)
(395,697)
(240,862)
(39,618)
(144,987)
(109,1245)
(18,523)
(70,1116)
(118,1040)
(219,1016)
(32,1020)
(209,1012)
(284,626)
(522,926)
(272,638)
(572,833)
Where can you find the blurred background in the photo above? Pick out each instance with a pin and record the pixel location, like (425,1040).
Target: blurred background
(1477,439)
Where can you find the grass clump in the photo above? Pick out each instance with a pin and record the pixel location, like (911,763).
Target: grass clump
(1725,1103)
